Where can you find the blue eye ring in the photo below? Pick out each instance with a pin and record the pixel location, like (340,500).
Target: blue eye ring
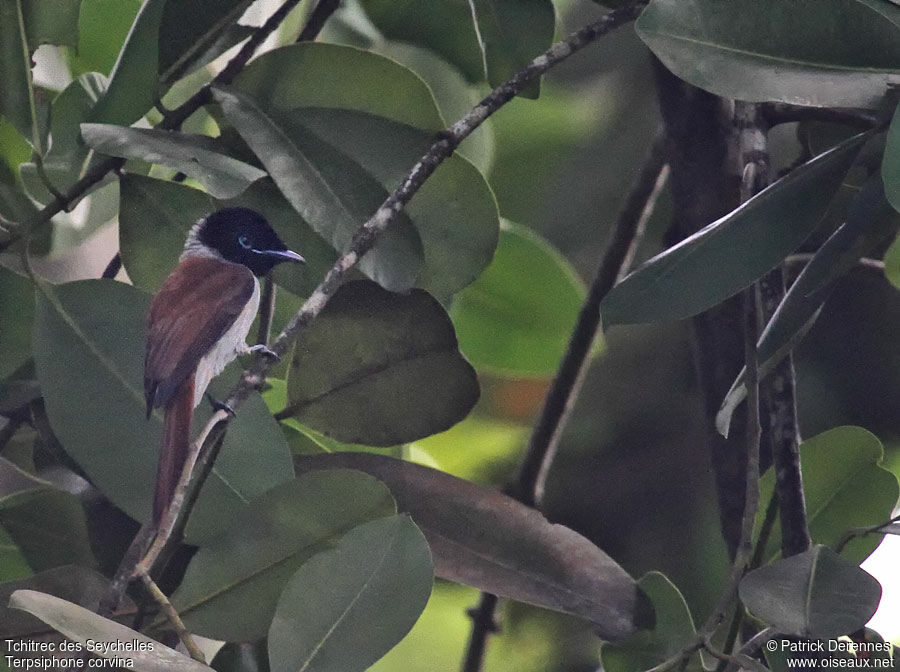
(244,241)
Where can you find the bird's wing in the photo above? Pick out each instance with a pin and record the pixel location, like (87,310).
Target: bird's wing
(196,305)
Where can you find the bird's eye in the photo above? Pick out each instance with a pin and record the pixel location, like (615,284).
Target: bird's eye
(244,241)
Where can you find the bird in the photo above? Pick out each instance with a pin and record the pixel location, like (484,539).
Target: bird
(198,323)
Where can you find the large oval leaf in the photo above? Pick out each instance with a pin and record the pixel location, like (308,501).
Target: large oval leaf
(492,39)
(726,256)
(231,587)
(95,402)
(331,192)
(454,212)
(517,317)
(101,635)
(380,369)
(486,539)
(816,593)
(826,53)
(333,76)
(844,486)
(347,606)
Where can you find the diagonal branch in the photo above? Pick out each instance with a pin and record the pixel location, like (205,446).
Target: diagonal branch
(203,452)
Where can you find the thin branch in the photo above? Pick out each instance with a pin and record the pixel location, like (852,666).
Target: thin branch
(203,451)
(484,623)
(113,267)
(862,532)
(567,383)
(782,113)
(778,395)
(169,611)
(324,9)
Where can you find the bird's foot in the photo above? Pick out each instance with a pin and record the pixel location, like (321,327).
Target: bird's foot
(264,351)
(219,405)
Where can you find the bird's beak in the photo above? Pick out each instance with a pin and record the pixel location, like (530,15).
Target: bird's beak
(282,255)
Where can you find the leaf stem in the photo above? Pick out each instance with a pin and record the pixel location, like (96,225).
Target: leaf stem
(173,617)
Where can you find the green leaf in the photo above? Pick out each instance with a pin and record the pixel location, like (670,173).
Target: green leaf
(817,593)
(517,317)
(290,77)
(50,528)
(825,53)
(347,606)
(51,23)
(674,629)
(133,86)
(845,487)
(890,166)
(72,583)
(15,70)
(189,29)
(483,538)
(16,317)
(17,485)
(728,255)
(87,628)
(242,657)
(380,369)
(454,212)
(492,39)
(102,29)
(149,253)
(870,222)
(329,191)
(231,587)
(13,565)
(95,402)
(68,155)
(194,155)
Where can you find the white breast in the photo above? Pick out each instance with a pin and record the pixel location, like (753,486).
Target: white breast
(233,343)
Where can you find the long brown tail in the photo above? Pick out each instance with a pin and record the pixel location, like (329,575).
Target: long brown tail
(179,413)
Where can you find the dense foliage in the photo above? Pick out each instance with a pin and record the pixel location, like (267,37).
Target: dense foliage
(730,458)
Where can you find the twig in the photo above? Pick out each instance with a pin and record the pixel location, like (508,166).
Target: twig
(778,395)
(862,532)
(323,10)
(782,113)
(484,623)
(203,450)
(113,267)
(567,383)
(803,258)
(661,181)
(751,646)
(173,617)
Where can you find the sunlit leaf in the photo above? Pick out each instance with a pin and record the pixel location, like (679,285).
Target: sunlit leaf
(517,317)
